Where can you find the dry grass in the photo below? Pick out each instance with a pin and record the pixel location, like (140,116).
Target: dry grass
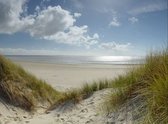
(20,88)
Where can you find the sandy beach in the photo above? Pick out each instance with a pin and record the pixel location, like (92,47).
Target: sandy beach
(63,76)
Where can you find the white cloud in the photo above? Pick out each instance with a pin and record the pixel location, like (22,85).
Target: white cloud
(77,15)
(148,8)
(21,51)
(11,20)
(133,20)
(96,36)
(115,22)
(115,46)
(51,21)
(123,6)
(75,36)
(56,24)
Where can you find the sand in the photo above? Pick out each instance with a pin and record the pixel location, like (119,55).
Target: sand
(88,111)
(62,77)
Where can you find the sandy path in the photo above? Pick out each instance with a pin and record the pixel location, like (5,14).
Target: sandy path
(88,111)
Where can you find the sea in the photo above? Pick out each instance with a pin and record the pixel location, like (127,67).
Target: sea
(70,59)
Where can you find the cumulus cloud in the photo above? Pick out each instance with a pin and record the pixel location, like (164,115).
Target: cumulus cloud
(76,35)
(133,20)
(115,46)
(51,23)
(11,20)
(57,24)
(115,22)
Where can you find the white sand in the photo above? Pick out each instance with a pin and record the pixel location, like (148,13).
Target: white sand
(88,111)
(12,115)
(62,77)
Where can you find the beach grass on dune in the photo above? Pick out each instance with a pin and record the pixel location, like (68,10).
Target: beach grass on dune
(22,89)
(148,83)
(77,95)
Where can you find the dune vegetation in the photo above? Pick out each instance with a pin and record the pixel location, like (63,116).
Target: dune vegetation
(76,95)
(19,88)
(146,86)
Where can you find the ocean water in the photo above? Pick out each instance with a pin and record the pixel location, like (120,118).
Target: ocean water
(67,59)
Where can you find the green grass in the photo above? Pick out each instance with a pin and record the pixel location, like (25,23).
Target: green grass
(148,82)
(22,89)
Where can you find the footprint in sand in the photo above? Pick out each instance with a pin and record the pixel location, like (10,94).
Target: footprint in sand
(84,110)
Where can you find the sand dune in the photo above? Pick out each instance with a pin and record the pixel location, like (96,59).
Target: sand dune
(87,111)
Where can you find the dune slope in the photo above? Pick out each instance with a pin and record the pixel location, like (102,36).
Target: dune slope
(22,89)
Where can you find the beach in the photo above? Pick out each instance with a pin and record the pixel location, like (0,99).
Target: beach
(66,76)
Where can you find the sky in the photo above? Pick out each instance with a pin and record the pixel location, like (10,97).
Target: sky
(83,27)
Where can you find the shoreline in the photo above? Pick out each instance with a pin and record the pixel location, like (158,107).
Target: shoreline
(84,63)
(92,65)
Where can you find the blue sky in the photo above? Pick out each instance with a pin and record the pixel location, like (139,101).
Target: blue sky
(82,27)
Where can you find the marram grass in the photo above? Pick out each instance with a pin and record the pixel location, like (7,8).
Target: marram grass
(22,89)
(76,95)
(148,82)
